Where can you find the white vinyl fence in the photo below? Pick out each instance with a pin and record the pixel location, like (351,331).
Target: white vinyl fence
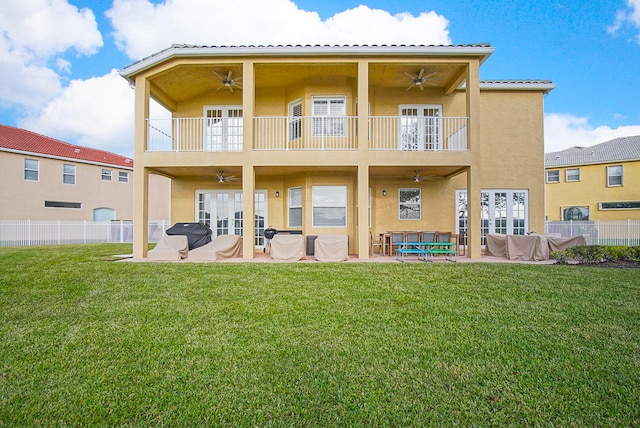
(25,233)
(609,232)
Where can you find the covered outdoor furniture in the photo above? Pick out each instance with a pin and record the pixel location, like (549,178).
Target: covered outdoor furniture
(221,248)
(170,248)
(527,247)
(198,234)
(563,243)
(288,248)
(332,248)
(496,245)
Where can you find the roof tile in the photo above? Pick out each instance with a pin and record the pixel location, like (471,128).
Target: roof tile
(616,150)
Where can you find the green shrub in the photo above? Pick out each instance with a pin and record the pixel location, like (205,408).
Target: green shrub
(592,254)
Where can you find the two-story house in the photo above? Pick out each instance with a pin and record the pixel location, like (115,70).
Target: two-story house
(47,179)
(599,182)
(339,140)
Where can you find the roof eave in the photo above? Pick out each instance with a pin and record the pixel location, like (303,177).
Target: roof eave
(482,51)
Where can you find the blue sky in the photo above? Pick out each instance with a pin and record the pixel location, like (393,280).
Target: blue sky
(59,58)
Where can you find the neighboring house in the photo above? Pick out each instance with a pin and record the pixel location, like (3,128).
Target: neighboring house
(46,179)
(339,140)
(600,182)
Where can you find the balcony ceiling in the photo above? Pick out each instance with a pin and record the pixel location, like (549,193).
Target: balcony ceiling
(184,82)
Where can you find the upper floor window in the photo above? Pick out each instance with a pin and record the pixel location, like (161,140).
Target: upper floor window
(123,177)
(106,175)
(572,174)
(410,202)
(329,114)
(329,206)
(420,127)
(31,168)
(69,174)
(553,176)
(295,207)
(614,175)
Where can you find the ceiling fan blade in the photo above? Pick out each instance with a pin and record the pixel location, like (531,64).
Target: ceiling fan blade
(230,88)
(421,88)
(421,73)
(410,75)
(219,77)
(229,75)
(412,85)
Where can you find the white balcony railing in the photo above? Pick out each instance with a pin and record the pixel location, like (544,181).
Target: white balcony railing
(305,133)
(417,133)
(283,133)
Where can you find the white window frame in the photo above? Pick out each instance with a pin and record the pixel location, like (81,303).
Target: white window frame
(419,131)
(223,133)
(322,197)
(330,122)
(293,206)
(404,205)
(553,176)
(123,177)
(105,175)
(30,169)
(572,175)
(611,175)
(68,174)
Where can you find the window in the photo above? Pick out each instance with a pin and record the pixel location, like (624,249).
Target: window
(553,176)
(69,174)
(31,167)
(575,213)
(123,177)
(329,116)
(295,120)
(572,174)
(409,204)
(106,175)
(61,204)
(329,206)
(420,127)
(621,205)
(614,175)
(295,207)
(224,126)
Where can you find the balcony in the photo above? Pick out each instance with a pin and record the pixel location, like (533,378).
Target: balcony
(331,133)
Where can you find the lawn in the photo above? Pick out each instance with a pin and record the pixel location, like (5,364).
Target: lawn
(86,341)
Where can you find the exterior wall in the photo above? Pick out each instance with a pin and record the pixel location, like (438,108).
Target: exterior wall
(592,189)
(25,199)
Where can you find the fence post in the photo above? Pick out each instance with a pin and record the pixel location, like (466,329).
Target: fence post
(58,232)
(628,232)
(121,232)
(28,233)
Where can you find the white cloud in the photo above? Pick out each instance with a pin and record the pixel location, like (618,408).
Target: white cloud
(33,33)
(96,112)
(629,16)
(260,22)
(562,131)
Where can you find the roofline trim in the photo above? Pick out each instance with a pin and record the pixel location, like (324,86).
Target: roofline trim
(44,155)
(179,51)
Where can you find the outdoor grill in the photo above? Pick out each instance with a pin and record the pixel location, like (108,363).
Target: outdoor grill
(269,233)
(198,234)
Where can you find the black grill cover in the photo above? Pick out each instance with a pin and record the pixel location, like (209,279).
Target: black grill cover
(198,234)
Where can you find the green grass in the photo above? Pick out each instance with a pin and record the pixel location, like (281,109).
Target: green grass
(85,341)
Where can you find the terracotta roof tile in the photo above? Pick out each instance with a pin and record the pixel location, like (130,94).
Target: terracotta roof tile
(26,141)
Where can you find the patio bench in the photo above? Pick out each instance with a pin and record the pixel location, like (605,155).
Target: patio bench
(401,252)
(450,254)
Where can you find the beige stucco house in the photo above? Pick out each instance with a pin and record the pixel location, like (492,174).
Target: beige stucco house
(599,182)
(46,179)
(339,140)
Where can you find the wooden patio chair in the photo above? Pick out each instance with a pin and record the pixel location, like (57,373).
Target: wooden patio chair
(375,242)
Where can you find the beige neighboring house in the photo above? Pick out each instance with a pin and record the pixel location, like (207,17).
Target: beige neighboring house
(46,179)
(348,140)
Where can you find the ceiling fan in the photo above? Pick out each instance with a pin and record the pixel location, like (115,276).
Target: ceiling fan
(228,82)
(226,179)
(420,79)
(417,178)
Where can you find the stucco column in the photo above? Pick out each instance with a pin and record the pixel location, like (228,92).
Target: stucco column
(140,172)
(248,173)
(474,184)
(363,164)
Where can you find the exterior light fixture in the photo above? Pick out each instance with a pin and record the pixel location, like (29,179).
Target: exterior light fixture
(277,194)
(384,193)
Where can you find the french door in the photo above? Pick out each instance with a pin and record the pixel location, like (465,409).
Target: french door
(221,210)
(501,211)
(420,127)
(223,128)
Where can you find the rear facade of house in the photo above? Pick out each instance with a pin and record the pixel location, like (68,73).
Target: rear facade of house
(354,140)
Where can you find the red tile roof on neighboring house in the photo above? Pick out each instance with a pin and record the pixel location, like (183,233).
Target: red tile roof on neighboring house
(21,140)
